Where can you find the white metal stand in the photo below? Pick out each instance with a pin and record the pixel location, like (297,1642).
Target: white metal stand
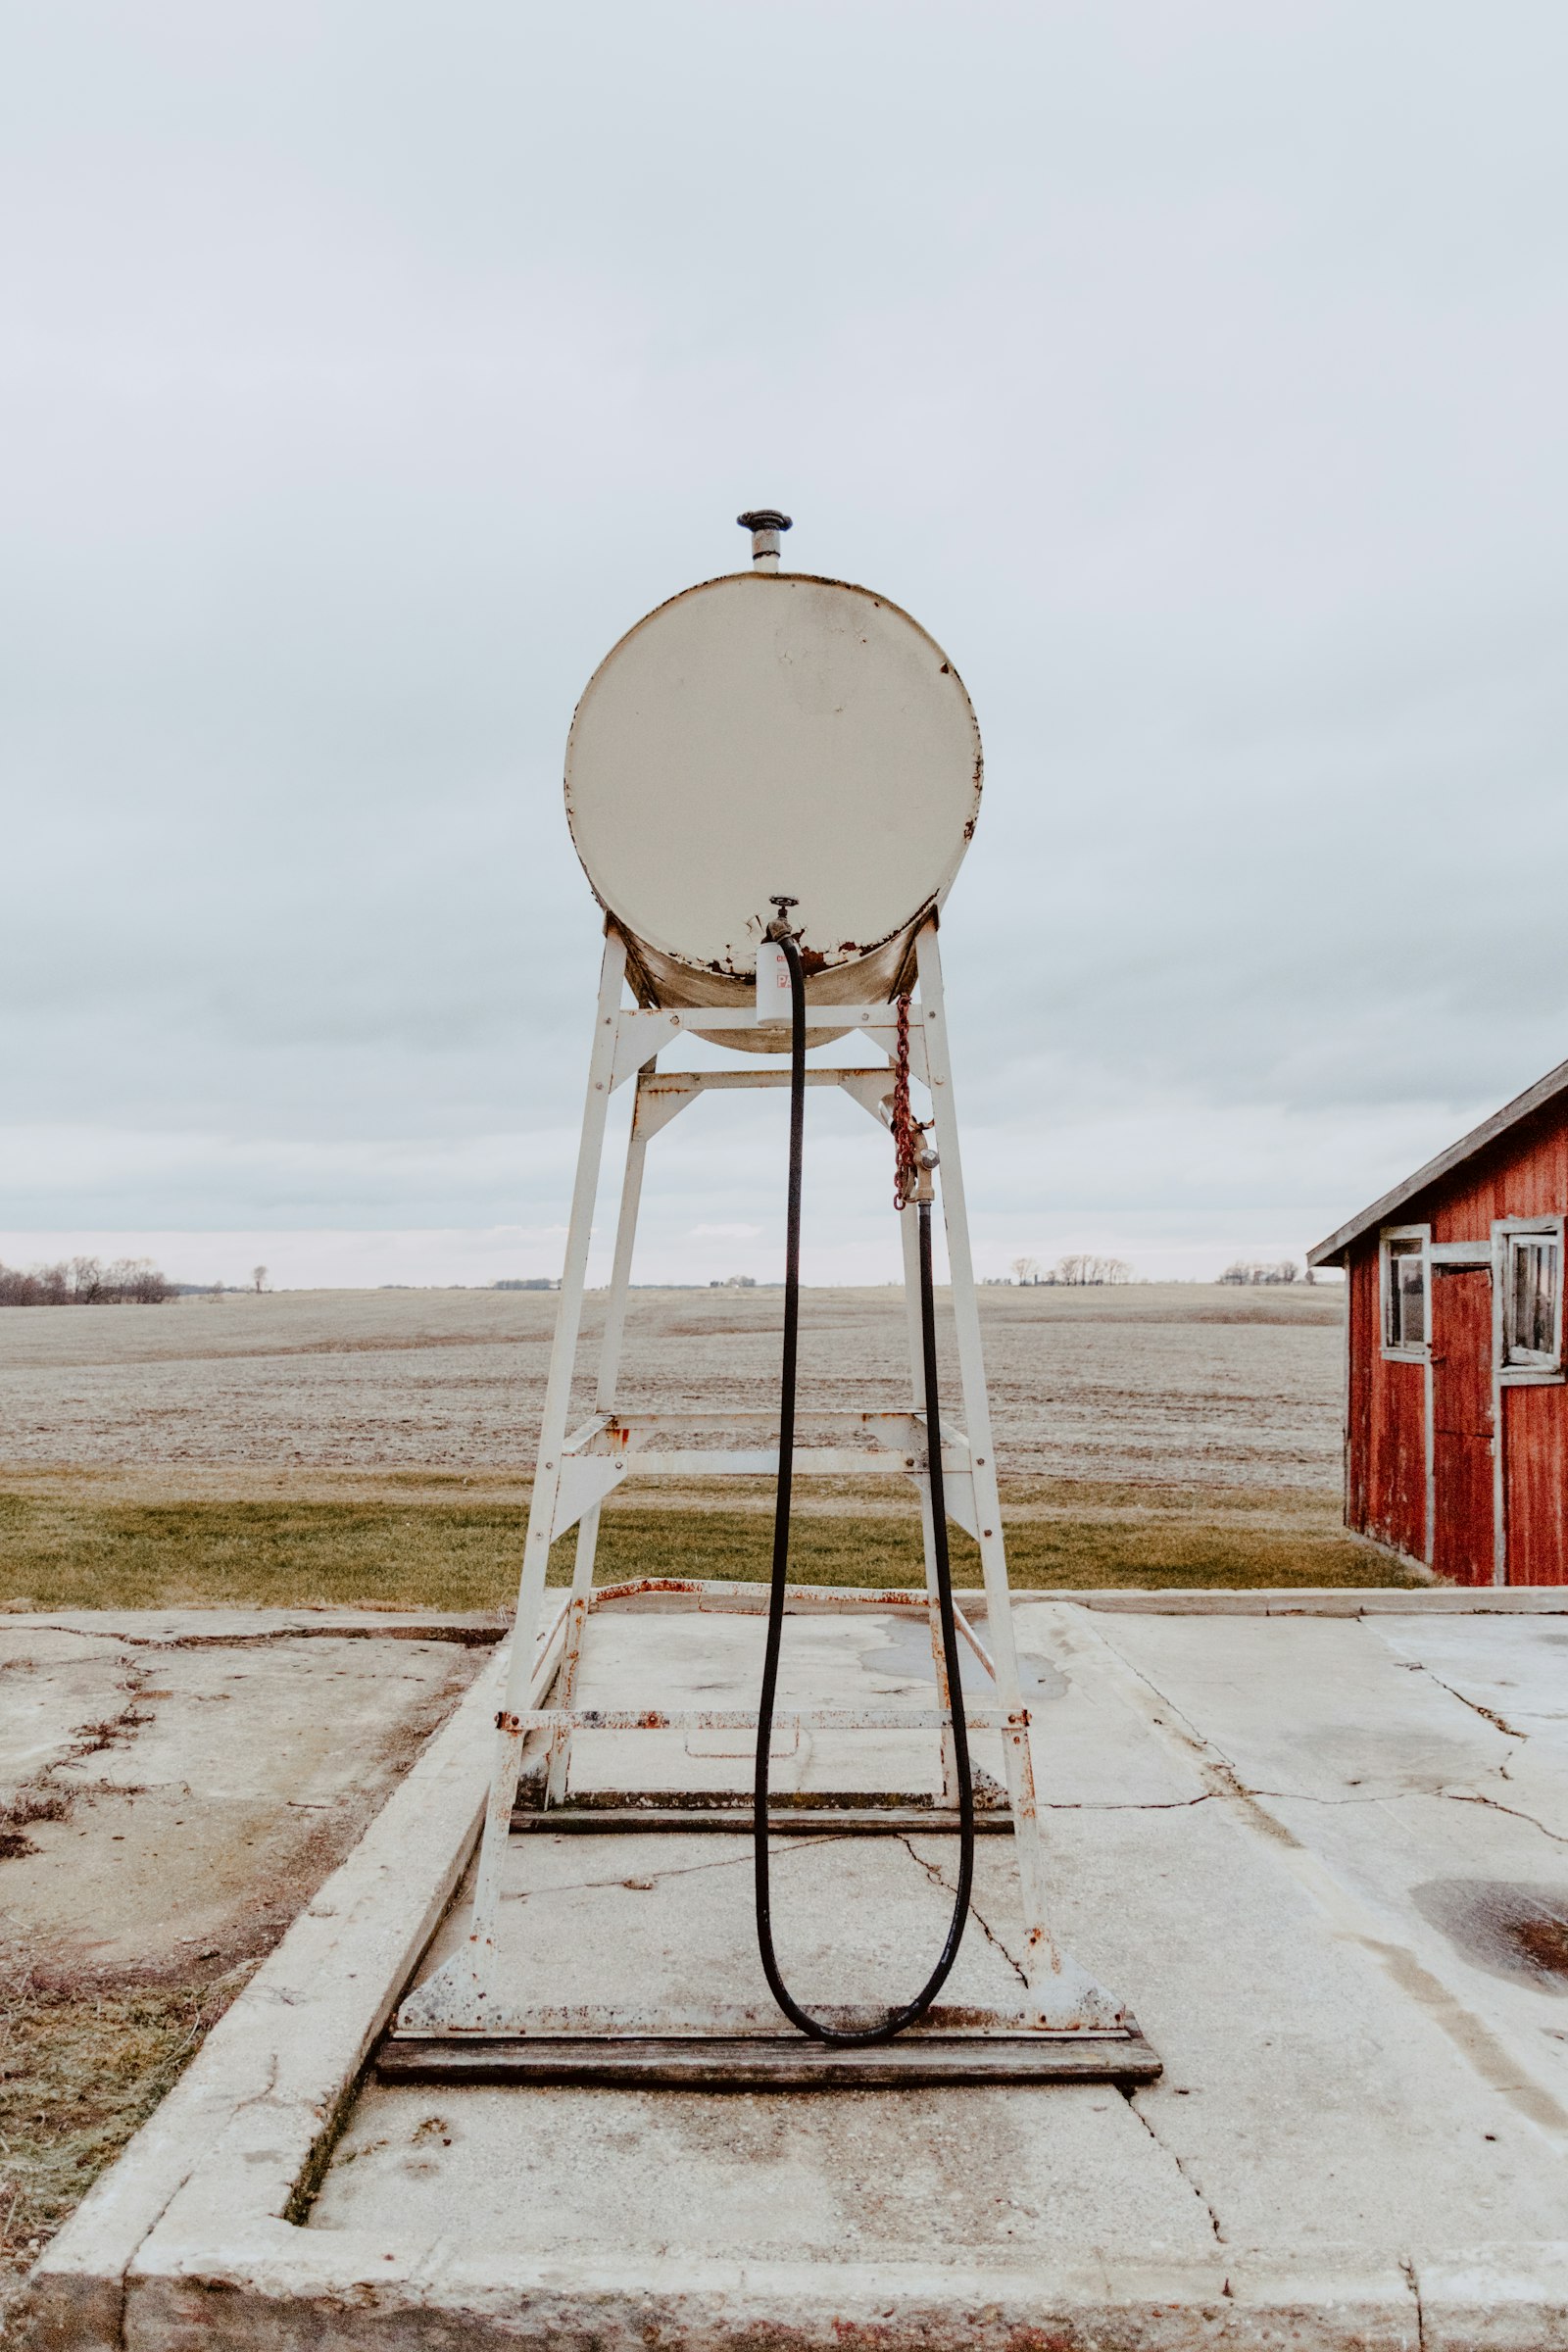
(576,1471)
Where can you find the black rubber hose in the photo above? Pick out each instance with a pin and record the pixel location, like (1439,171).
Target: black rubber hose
(897,2019)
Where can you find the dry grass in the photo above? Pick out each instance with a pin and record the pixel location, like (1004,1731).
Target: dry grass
(449,1544)
(81,2069)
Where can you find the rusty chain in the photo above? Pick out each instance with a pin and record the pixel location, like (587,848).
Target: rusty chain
(907,1128)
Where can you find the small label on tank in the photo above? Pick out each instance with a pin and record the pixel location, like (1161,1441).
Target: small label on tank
(772,982)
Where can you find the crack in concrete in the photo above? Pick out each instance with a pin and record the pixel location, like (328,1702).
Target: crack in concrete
(1414,2284)
(1224,1769)
(1404,1796)
(263,2092)
(43,1797)
(1186,1728)
(474,1635)
(1165,2149)
(1165,1804)
(1308,1796)
(933,1871)
(1455,1797)
(680,1870)
(1490,1715)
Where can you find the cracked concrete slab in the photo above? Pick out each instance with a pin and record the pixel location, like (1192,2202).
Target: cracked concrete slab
(182,1791)
(975,2174)
(1350,1725)
(626,1920)
(1283,1838)
(829,1662)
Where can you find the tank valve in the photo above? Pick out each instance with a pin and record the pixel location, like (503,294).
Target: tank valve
(765,524)
(774,997)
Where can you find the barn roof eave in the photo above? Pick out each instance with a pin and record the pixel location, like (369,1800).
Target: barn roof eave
(1333,1251)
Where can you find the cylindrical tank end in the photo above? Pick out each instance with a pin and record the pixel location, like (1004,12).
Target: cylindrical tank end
(765,524)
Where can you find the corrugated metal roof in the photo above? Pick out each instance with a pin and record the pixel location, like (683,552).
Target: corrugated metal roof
(1385,1210)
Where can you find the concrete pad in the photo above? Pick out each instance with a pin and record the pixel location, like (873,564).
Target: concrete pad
(184,1792)
(1353,1723)
(840,1662)
(946,2179)
(629,1920)
(53,1686)
(254,1725)
(279,2066)
(1361,2136)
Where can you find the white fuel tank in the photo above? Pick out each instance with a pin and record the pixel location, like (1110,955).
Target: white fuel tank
(767,734)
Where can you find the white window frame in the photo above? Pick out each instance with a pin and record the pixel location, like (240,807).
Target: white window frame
(1532,1371)
(1421,1355)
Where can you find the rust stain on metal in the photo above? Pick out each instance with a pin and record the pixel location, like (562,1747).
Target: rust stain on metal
(644,1583)
(746,1719)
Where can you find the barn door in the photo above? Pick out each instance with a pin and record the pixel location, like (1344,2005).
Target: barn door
(1461,1423)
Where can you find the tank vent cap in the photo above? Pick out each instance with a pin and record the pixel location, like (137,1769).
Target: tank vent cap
(766,525)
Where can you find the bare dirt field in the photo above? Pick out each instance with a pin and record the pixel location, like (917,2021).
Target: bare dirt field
(1177,1383)
(347,1447)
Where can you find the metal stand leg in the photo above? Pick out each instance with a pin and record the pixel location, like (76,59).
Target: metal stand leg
(1051,1978)
(547,1481)
(909,1228)
(582,1575)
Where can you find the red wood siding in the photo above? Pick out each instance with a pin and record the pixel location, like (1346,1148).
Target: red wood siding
(1533,1472)
(1361,1340)
(1523,1174)
(1461,1424)
(1388,1482)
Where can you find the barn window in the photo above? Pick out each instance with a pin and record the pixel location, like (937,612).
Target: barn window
(1530,1271)
(1404,1294)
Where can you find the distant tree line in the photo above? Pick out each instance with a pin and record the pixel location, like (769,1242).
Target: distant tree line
(1258,1270)
(1080,1271)
(86,1282)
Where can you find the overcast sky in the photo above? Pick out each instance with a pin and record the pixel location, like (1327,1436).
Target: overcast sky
(1195,373)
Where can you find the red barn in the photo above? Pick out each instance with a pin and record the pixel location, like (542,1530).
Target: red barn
(1456,1407)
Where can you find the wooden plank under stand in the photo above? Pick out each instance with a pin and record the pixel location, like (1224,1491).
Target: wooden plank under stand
(919,2059)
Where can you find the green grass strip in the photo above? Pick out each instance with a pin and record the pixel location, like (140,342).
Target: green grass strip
(67,1553)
